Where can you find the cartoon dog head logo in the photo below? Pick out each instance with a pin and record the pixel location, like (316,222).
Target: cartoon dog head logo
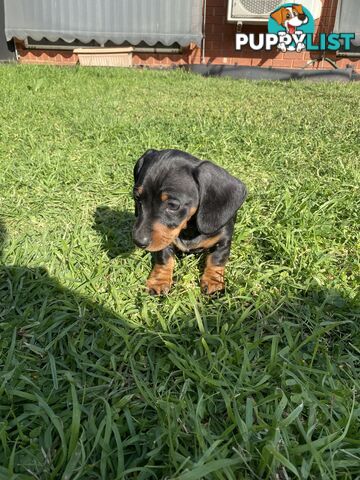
(291,19)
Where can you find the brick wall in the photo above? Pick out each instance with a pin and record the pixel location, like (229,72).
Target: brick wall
(220,42)
(220,46)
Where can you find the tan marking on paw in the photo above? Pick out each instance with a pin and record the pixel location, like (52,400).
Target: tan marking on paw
(160,279)
(213,277)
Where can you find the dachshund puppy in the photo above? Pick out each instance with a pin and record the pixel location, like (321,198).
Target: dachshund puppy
(183,203)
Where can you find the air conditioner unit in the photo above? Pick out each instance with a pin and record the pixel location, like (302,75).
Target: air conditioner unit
(258,11)
(251,11)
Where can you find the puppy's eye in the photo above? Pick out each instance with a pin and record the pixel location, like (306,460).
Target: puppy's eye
(288,15)
(173,205)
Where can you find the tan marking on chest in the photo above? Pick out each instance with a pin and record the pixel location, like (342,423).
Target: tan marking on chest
(209,242)
(193,245)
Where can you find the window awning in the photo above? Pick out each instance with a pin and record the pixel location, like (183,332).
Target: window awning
(119,21)
(348,19)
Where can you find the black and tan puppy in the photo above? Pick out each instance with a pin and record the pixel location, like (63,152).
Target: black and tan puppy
(187,204)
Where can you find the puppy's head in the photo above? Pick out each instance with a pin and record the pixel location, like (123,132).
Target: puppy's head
(290,17)
(171,187)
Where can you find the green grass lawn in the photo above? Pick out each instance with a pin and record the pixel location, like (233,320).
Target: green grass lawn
(98,380)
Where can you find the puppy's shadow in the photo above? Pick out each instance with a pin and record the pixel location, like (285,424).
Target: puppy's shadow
(115,229)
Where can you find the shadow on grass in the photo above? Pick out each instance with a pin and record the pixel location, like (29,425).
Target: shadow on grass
(84,388)
(50,338)
(115,229)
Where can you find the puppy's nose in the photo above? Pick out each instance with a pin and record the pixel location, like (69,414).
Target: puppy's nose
(142,242)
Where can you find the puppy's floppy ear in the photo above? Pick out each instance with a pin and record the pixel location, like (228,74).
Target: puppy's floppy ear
(143,160)
(220,196)
(278,15)
(299,9)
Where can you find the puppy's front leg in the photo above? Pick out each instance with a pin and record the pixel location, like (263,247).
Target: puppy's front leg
(213,279)
(160,279)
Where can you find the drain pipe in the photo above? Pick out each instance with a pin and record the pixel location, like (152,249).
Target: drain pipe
(203,31)
(165,50)
(156,50)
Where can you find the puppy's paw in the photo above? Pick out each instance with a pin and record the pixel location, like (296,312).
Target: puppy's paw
(300,47)
(213,279)
(160,279)
(211,285)
(156,286)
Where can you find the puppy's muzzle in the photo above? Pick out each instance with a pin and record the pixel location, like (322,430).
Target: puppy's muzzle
(142,242)
(141,238)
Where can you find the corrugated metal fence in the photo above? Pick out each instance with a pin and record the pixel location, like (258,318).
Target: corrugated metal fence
(133,21)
